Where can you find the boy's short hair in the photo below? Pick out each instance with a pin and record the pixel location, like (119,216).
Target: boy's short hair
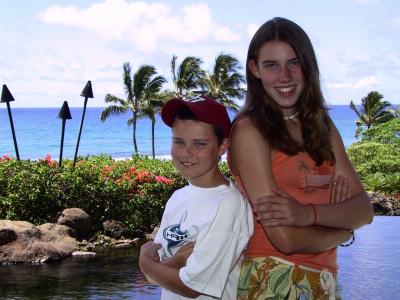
(184,113)
(204,108)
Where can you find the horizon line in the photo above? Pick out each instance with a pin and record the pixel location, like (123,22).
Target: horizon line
(17,107)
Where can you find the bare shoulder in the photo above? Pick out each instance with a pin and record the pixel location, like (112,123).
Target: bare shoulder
(244,129)
(335,135)
(243,124)
(250,158)
(247,138)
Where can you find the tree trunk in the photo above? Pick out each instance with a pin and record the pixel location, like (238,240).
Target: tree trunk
(134,132)
(152,138)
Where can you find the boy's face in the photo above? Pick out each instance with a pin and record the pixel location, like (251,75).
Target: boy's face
(195,152)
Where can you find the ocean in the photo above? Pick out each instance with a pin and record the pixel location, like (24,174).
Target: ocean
(38,133)
(369,269)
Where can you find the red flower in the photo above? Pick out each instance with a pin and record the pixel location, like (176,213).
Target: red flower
(5,157)
(49,161)
(106,171)
(164,180)
(143,176)
(131,171)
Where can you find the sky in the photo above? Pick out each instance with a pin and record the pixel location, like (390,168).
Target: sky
(50,49)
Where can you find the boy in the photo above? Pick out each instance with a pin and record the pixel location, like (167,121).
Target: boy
(208,220)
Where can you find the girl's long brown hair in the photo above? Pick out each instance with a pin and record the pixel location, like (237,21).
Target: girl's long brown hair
(265,113)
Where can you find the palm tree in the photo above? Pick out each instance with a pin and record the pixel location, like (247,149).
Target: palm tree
(143,84)
(150,107)
(225,81)
(373,111)
(187,76)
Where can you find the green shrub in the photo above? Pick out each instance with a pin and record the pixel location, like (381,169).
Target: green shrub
(132,191)
(26,189)
(371,157)
(377,165)
(386,133)
(384,183)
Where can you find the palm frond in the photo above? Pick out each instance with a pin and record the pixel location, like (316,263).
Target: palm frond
(155,85)
(173,69)
(114,99)
(373,110)
(141,79)
(112,110)
(225,82)
(188,75)
(127,80)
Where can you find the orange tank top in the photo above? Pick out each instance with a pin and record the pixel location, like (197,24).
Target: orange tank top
(298,176)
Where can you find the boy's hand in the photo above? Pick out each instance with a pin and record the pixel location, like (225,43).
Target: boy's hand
(149,255)
(340,189)
(149,251)
(179,259)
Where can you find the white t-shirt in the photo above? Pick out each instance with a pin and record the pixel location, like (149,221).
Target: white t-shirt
(220,220)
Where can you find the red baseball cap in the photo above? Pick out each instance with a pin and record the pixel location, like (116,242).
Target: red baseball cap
(206,109)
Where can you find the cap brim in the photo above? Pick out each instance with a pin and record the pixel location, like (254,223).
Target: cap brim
(170,109)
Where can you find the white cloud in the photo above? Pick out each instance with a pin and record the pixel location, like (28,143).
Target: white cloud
(143,24)
(224,34)
(338,86)
(366,82)
(358,84)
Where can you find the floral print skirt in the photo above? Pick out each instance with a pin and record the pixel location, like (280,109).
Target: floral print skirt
(274,278)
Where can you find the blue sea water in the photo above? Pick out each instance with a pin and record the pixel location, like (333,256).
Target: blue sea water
(369,270)
(38,133)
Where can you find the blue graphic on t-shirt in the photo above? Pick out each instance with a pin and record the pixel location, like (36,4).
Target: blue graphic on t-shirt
(175,236)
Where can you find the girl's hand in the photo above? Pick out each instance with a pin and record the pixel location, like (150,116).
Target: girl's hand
(281,209)
(340,189)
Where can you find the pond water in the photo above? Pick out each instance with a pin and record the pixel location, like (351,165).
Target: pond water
(370,269)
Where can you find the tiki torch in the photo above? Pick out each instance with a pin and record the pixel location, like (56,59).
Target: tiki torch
(63,114)
(87,92)
(7,98)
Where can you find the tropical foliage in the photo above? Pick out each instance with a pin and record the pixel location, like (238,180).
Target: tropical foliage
(143,86)
(187,76)
(373,111)
(377,158)
(150,108)
(225,82)
(145,97)
(386,133)
(132,191)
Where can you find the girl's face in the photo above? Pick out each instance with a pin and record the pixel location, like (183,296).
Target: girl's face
(195,152)
(280,72)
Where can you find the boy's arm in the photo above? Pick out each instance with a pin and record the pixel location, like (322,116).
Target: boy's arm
(163,274)
(179,259)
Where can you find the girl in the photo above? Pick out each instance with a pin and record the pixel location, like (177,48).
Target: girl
(286,154)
